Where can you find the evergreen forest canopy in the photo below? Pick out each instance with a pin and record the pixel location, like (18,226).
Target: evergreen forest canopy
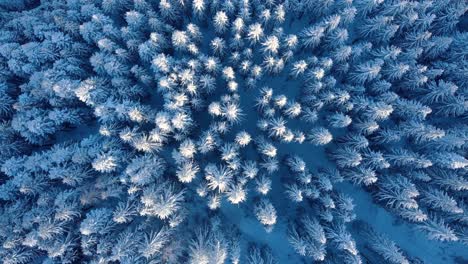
(230,131)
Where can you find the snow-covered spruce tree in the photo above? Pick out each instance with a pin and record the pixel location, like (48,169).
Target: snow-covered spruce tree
(266,214)
(187,171)
(162,200)
(361,175)
(383,246)
(218,177)
(211,244)
(260,255)
(437,229)
(311,242)
(97,221)
(440,200)
(319,136)
(342,238)
(346,157)
(398,192)
(145,169)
